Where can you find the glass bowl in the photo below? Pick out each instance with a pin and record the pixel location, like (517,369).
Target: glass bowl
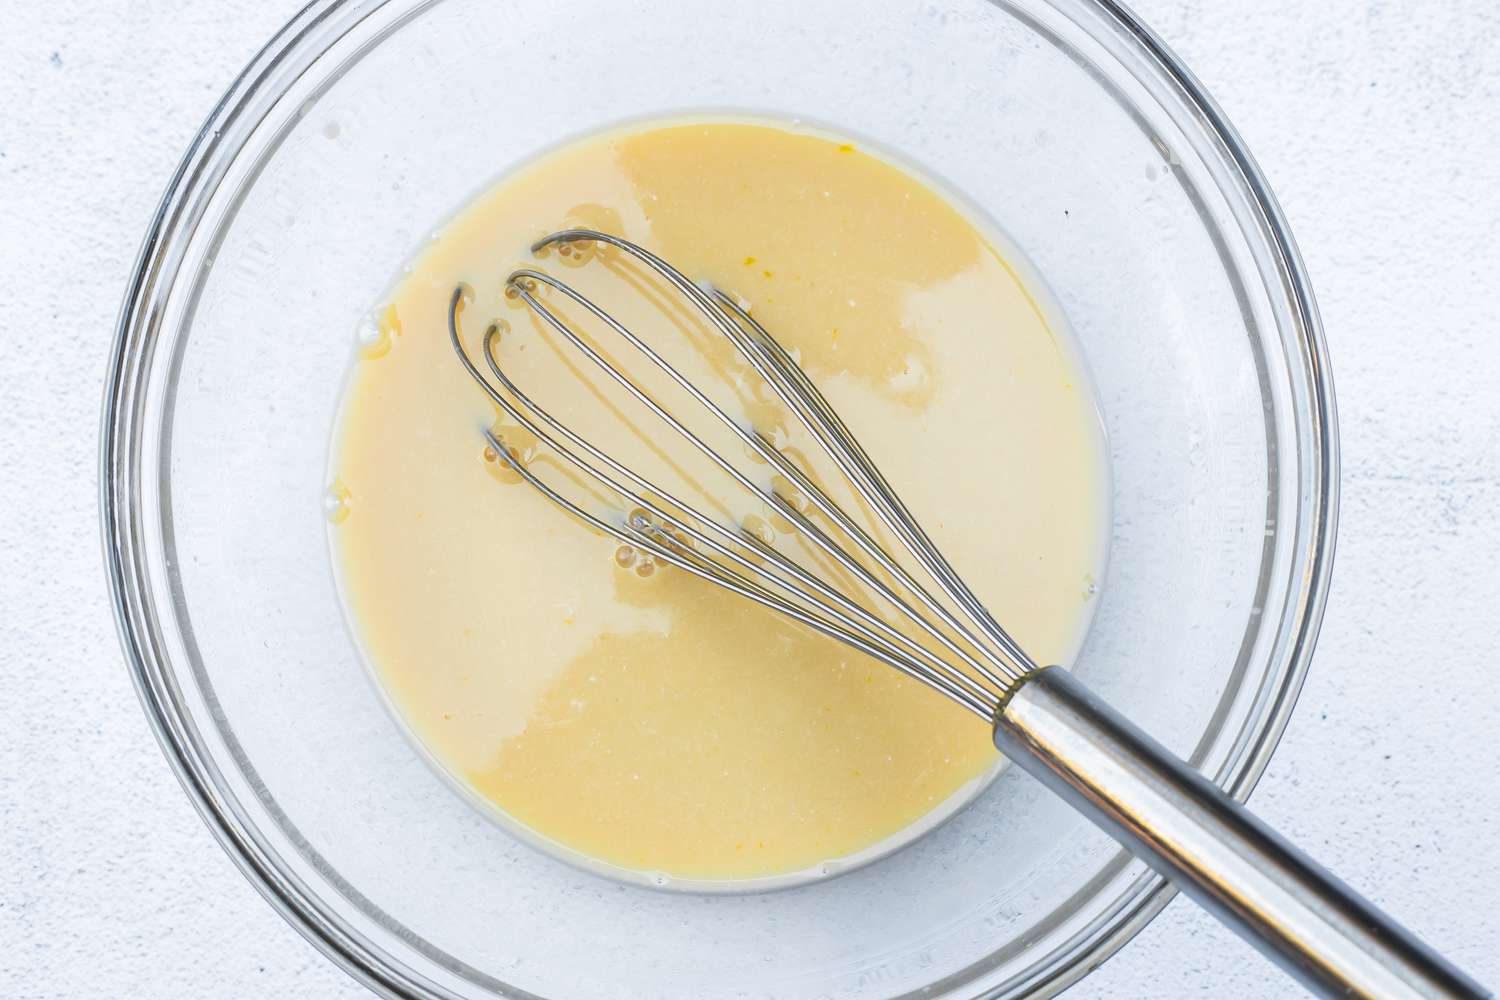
(361,125)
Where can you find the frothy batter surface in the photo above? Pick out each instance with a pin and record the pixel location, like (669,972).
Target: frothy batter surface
(657,723)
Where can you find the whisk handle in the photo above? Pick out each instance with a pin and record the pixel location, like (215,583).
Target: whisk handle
(1170,816)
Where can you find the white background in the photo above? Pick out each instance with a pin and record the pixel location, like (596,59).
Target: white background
(1378,124)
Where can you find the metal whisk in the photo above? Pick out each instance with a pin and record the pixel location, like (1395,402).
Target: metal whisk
(935,630)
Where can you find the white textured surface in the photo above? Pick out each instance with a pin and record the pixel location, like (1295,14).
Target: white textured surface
(1377,124)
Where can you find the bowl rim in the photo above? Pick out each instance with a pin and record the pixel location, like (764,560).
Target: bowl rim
(282,59)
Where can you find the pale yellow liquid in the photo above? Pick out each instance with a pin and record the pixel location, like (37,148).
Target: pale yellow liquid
(657,723)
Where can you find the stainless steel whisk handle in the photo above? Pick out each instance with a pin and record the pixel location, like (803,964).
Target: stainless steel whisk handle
(1170,816)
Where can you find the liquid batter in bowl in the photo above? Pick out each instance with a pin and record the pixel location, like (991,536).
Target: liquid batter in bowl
(628,716)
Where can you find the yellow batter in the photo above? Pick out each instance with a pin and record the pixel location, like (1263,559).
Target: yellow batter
(648,720)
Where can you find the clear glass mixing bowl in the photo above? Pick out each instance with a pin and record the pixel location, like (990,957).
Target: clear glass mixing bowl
(361,124)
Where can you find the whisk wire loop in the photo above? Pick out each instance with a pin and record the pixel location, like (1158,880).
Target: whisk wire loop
(974,663)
